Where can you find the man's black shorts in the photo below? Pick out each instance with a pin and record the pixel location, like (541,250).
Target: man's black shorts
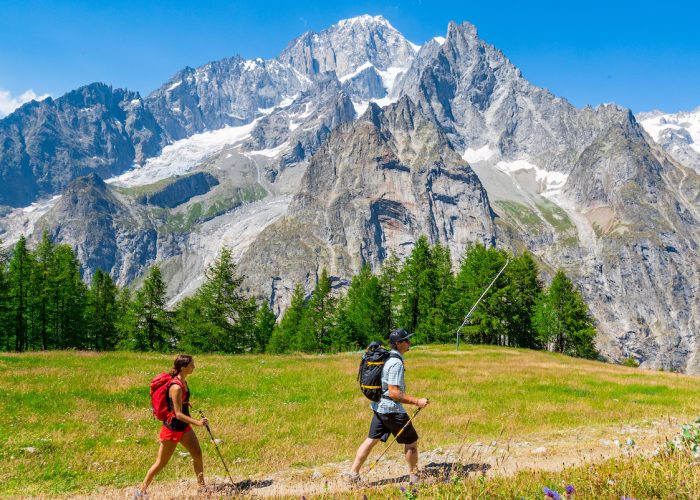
(384,424)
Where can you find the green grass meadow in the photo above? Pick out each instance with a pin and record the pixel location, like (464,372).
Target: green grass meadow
(87,415)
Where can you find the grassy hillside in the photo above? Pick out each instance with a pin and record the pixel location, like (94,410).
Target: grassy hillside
(300,410)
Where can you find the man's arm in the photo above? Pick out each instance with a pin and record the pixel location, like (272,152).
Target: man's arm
(396,394)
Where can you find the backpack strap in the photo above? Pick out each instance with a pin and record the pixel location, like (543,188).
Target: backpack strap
(395,356)
(176,381)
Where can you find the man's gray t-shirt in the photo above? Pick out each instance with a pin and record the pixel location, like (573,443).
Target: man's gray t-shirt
(392,374)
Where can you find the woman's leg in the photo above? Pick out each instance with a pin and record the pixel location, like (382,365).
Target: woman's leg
(166,450)
(191,443)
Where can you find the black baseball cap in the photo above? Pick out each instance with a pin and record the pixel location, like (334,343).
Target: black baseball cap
(399,335)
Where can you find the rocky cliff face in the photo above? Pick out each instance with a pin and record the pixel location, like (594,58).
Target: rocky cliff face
(374,187)
(313,174)
(106,231)
(45,145)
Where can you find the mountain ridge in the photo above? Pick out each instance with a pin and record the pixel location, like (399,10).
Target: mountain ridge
(332,162)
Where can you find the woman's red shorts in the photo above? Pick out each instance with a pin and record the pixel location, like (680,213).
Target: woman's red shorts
(171,435)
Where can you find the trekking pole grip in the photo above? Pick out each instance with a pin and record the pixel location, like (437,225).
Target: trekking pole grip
(201,414)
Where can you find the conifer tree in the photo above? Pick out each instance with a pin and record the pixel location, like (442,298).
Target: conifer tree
(5,320)
(19,284)
(69,296)
(153,327)
(40,291)
(342,328)
(478,269)
(562,320)
(388,280)
(124,319)
(416,292)
(522,292)
(314,334)
(365,312)
(100,312)
(218,317)
(265,321)
(283,338)
(441,322)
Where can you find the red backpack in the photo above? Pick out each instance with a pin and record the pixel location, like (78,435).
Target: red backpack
(160,386)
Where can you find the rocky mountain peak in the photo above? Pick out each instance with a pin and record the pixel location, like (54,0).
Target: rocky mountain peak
(348,47)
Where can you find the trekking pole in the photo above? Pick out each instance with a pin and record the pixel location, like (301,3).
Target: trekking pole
(201,413)
(466,318)
(394,440)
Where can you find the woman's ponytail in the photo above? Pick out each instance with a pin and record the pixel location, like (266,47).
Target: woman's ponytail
(180,362)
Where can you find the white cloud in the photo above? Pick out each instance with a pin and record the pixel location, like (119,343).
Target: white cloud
(8,103)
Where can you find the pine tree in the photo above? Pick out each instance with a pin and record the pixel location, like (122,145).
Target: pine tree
(416,292)
(562,321)
(283,338)
(265,321)
(441,322)
(101,312)
(218,317)
(522,292)
(124,319)
(40,291)
(69,296)
(388,281)
(19,284)
(364,315)
(5,318)
(314,334)
(478,269)
(153,329)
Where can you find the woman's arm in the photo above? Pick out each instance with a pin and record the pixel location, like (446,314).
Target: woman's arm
(176,397)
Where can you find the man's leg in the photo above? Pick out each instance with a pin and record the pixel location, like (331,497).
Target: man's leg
(412,457)
(362,454)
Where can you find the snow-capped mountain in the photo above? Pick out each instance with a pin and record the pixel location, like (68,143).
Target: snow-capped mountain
(678,133)
(349,146)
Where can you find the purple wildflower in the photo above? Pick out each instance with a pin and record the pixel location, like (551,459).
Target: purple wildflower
(551,494)
(414,491)
(403,490)
(570,490)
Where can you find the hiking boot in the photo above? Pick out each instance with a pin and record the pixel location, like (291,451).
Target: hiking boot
(352,478)
(139,495)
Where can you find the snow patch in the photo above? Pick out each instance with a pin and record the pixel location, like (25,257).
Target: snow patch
(390,75)
(360,107)
(415,47)
(688,121)
(22,221)
(182,156)
(284,103)
(270,153)
(359,70)
(477,155)
(439,39)
(174,86)
(550,182)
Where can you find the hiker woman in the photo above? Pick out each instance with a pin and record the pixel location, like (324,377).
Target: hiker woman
(177,427)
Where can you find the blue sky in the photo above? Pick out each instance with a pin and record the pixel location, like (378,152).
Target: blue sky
(640,55)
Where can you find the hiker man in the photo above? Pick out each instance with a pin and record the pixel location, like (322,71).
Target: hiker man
(389,415)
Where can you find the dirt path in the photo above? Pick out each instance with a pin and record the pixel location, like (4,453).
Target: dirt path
(552,452)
